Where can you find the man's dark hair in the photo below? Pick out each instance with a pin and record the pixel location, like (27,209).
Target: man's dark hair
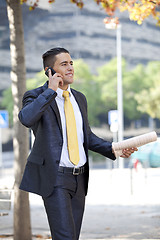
(49,57)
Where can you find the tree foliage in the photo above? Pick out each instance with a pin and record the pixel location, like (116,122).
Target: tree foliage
(138,10)
(149,99)
(133,82)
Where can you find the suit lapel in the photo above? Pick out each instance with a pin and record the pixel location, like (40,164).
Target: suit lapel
(79,101)
(81,106)
(54,107)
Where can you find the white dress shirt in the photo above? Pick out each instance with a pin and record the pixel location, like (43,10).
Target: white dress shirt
(64,161)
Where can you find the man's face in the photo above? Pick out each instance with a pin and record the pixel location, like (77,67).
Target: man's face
(64,66)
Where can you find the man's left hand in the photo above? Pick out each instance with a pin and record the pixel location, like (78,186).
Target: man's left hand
(126,153)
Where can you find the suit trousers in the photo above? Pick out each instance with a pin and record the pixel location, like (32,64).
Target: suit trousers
(65,207)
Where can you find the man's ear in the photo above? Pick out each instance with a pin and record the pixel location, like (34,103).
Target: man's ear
(46,68)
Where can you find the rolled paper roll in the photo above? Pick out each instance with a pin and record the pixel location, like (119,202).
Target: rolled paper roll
(134,142)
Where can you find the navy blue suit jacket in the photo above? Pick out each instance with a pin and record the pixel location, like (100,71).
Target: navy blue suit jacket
(41,114)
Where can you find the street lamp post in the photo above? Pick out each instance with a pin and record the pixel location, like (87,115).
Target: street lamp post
(113,25)
(119,91)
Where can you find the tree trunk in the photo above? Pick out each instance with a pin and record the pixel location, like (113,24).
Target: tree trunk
(22,226)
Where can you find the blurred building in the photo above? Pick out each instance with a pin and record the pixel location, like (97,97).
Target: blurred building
(82,32)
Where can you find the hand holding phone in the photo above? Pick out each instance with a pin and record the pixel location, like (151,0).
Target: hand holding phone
(52,71)
(55,79)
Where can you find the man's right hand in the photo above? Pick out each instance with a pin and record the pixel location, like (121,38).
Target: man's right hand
(55,81)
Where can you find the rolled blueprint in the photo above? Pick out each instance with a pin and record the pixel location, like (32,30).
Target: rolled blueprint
(133,142)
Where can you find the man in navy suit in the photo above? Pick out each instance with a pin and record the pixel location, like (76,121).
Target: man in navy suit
(49,171)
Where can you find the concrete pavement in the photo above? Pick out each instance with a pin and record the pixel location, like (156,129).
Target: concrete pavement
(117,206)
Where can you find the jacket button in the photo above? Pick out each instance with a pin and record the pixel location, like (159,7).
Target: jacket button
(60,144)
(57,162)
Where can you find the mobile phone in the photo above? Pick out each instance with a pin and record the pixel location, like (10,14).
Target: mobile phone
(52,71)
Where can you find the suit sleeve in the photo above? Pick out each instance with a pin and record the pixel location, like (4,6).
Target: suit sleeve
(101,146)
(96,143)
(34,105)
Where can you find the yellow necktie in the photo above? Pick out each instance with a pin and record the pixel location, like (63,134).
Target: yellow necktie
(72,139)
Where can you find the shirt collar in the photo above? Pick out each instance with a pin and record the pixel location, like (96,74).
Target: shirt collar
(60,92)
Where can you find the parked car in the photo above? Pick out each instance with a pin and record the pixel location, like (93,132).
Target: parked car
(148,155)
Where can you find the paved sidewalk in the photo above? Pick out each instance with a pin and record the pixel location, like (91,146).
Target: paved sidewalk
(112,212)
